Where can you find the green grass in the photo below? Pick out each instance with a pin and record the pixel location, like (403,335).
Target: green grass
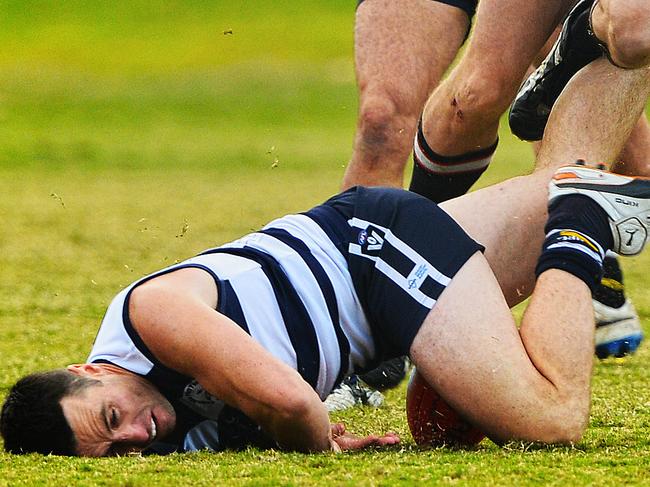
(138,134)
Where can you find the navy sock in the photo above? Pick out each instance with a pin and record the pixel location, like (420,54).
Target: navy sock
(611,289)
(577,237)
(441,178)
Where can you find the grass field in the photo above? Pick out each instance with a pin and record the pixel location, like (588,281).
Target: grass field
(136,134)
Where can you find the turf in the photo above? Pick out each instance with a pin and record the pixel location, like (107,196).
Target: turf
(137,134)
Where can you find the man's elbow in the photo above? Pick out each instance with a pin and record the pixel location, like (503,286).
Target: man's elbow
(297,405)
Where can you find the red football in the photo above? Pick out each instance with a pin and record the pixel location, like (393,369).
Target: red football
(432,421)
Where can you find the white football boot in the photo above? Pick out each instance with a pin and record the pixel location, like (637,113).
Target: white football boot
(353,392)
(625,199)
(618,330)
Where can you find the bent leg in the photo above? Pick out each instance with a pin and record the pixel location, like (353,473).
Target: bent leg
(402,49)
(462,115)
(635,157)
(461,118)
(531,385)
(517,207)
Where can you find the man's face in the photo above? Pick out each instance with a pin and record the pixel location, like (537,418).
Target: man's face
(123,413)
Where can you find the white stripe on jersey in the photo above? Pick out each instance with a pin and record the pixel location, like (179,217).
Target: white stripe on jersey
(351,316)
(405,249)
(312,298)
(260,307)
(396,277)
(257,301)
(113,342)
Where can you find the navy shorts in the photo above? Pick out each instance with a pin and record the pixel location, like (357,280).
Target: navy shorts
(469,6)
(402,251)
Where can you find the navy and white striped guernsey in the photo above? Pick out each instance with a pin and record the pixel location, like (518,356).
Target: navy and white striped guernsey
(288,286)
(328,292)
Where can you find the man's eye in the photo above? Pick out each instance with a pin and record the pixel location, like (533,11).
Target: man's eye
(114,418)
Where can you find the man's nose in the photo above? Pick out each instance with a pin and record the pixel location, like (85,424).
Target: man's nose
(134,434)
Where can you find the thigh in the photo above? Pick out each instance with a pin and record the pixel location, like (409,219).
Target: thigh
(508,34)
(470,351)
(508,219)
(402,48)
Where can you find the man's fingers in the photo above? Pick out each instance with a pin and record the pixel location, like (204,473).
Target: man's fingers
(337,429)
(351,442)
(388,439)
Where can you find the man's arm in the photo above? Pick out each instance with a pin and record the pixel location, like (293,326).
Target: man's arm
(175,316)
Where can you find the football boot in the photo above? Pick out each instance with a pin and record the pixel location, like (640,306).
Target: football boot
(625,200)
(575,47)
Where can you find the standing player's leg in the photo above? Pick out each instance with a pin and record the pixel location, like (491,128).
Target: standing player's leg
(604,121)
(461,118)
(635,157)
(535,384)
(402,49)
(592,28)
(620,29)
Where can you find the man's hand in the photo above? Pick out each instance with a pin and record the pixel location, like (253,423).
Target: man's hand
(341,440)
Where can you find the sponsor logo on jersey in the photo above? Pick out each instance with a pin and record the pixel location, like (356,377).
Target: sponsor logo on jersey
(417,276)
(198,400)
(363,236)
(371,240)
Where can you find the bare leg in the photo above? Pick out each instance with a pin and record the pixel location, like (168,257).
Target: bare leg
(624,27)
(575,131)
(402,49)
(532,385)
(463,114)
(635,158)
(575,127)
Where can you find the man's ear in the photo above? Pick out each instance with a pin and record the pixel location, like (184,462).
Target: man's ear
(86,370)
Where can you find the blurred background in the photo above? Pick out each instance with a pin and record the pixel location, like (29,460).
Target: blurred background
(137,133)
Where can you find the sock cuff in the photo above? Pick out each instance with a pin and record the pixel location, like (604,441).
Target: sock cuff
(430,161)
(573,252)
(573,239)
(574,265)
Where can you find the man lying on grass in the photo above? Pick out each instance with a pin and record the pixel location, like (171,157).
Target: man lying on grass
(240,344)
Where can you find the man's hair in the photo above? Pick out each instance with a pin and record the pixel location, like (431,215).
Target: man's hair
(32,419)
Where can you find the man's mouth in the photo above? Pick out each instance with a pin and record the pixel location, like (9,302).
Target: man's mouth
(153,432)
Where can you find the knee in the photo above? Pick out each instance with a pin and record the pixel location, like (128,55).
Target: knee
(628,33)
(481,97)
(566,430)
(386,123)
(566,424)
(555,422)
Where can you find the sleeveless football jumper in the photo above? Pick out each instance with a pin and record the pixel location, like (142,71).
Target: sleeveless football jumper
(331,291)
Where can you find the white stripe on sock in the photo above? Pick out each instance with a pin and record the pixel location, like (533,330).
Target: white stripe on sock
(435,167)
